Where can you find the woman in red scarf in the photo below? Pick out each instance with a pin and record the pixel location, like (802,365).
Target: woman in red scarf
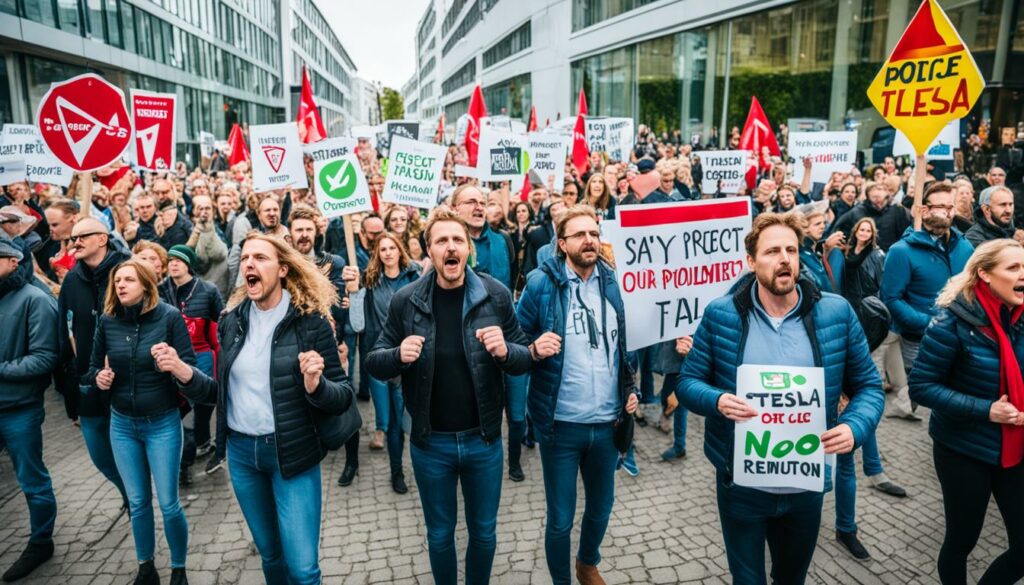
(969,374)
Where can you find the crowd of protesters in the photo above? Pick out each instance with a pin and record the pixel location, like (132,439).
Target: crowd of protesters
(183,316)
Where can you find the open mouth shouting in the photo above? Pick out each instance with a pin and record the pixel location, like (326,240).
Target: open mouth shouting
(253,284)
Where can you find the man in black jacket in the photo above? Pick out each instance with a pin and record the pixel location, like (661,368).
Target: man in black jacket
(79,305)
(994,217)
(891,220)
(451,336)
(28,354)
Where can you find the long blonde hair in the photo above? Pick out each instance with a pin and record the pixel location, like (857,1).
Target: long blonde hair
(985,257)
(311,291)
(150,294)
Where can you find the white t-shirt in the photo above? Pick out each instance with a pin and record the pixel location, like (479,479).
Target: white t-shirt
(250,408)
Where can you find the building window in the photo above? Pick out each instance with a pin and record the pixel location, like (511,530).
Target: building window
(464,76)
(94,19)
(511,97)
(455,109)
(516,41)
(41,12)
(67,11)
(590,12)
(112,12)
(608,80)
(128,27)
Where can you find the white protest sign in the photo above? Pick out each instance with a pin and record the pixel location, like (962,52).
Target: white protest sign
(941,148)
(500,123)
(206,144)
(12,170)
(329,148)
(340,184)
(276,157)
(502,156)
(830,152)
(613,136)
(781,446)
(547,157)
(414,173)
(672,259)
(723,168)
(461,127)
(23,141)
(367,132)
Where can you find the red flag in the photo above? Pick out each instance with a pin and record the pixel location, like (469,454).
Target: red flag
(439,136)
(757,134)
(532,125)
(477,110)
(311,127)
(580,154)
(236,142)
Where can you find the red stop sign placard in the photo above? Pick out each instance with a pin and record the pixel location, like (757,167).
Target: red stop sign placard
(84,122)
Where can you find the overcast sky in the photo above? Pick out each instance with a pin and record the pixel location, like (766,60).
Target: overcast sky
(379,35)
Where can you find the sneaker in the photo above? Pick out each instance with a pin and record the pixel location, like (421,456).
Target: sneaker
(35,554)
(185,477)
(215,464)
(639,418)
(852,545)
(205,449)
(673,453)
(630,467)
(348,475)
(147,574)
(515,472)
(890,489)
(398,483)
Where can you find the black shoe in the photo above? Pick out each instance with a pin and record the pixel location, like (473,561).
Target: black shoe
(347,475)
(397,483)
(641,420)
(216,463)
(35,554)
(515,472)
(363,397)
(185,477)
(889,488)
(147,574)
(528,441)
(852,545)
(178,577)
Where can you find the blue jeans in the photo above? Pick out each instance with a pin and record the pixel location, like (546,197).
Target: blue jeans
(846,482)
(96,431)
(516,389)
(389,406)
(21,432)
(203,412)
(143,446)
(447,459)
(283,514)
(577,449)
(789,523)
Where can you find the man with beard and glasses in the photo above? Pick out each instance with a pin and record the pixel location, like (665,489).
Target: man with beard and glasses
(577,395)
(773,318)
(994,217)
(451,336)
(916,269)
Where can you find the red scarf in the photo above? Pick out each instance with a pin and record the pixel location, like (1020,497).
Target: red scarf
(1011,382)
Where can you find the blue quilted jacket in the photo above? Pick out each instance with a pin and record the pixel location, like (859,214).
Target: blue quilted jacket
(957,376)
(839,346)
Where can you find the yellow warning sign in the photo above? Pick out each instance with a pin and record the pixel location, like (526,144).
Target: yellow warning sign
(929,79)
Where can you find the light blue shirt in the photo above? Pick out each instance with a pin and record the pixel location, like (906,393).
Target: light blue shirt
(250,408)
(590,376)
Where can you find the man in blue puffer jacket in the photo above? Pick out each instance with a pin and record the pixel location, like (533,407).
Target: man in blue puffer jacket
(771,318)
(916,269)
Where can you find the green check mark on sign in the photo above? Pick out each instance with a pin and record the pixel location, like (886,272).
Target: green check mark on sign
(338,179)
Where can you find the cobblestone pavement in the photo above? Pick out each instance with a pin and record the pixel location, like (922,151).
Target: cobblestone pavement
(664,528)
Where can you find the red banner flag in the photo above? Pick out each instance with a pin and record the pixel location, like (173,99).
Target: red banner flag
(532,126)
(477,110)
(439,136)
(153,119)
(311,127)
(524,192)
(757,134)
(580,154)
(236,142)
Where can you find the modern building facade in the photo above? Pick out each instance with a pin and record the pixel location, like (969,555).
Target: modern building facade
(229,61)
(693,65)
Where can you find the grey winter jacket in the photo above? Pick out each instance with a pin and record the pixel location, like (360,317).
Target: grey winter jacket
(29,346)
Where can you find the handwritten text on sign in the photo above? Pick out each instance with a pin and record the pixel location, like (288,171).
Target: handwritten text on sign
(781,446)
(414,173)
(673,259)
(830,152)
(724,170)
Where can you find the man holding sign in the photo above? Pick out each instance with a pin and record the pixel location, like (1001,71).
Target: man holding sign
(773,319)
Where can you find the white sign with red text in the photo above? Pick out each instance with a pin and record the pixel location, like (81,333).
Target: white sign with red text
(153,117)
(276,157)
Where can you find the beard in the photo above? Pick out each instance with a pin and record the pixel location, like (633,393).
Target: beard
(999,223)
(937,223)
(581,259)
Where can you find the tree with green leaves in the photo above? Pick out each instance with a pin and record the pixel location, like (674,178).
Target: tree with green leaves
(392,106)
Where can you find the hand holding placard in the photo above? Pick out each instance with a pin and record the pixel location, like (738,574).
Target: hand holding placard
(735,408)
(838,440)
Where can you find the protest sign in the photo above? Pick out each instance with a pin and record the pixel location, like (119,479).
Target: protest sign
(461,127)
(830,152)
(547,157)
(84,122)
(807,124)
(12,170)
(330,148)
(672,259)
(724,170)
(23,141)
(276,157)
(940,149)
(153,119)
(929,79)
(207,142)
(340,184)
(502,156)
(414,173)
(367,132)
(781,446)
(613,136)
(501,123)
(403,128)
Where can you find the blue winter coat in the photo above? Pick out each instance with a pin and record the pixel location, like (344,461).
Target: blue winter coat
(957,376)
(839,346)
(814,266)
(542,308)
(915,271)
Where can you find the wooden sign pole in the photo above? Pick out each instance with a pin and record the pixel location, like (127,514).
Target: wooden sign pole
(84,194)
(350,245)
(920,172)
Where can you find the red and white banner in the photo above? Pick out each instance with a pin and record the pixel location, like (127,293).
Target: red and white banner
(84,122)
(153,117)
(672,259)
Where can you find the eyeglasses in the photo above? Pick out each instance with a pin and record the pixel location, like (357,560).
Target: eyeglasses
(472,203)
(74,239)
(593,235)
(946,208)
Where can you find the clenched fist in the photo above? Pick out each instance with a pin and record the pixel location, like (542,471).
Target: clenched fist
(105,379)
(410,349)
(546,346)
(311,364)
(493,339)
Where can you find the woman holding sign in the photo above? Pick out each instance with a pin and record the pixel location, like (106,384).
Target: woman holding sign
(968,372)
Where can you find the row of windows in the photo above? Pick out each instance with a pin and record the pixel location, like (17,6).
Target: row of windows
(410,108)
(590,12)
(473,17)
(427,28)
(428,68)
(464,76)
(516,41)
(427,90)
(451,16)
(243,34)
(313,15)
(310,43)
(322,87)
